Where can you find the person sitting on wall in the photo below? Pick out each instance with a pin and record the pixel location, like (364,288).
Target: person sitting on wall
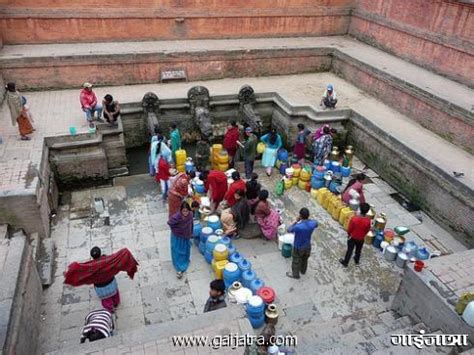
(111,109)
(329,99)
(89,103)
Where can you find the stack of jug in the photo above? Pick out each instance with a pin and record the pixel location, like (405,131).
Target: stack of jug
(205,233)
(256,311)
(180,160)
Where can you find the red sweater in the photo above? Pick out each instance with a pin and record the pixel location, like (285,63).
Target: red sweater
(359,227)
(237,185)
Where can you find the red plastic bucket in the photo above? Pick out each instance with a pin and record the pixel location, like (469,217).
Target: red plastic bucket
(419,265)
(267,294)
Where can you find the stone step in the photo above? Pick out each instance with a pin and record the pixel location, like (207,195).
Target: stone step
(360,335)
(228,320)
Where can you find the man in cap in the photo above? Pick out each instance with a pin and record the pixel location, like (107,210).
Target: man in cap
(249,151)
(89,103)
(329,99)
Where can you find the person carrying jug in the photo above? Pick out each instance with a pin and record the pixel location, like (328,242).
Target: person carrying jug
(303,228)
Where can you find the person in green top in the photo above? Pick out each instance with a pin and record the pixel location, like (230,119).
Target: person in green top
(249,151)
(175,140)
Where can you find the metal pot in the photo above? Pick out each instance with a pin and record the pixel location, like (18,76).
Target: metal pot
(271,314)
(334,156)
(380,221)
(371,213)
(354,204)
(402,260)
(369,238)
(390,253)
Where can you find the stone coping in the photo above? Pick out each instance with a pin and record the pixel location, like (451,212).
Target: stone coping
(434,85)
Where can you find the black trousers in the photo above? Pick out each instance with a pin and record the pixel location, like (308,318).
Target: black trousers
(351,244)
(300,261)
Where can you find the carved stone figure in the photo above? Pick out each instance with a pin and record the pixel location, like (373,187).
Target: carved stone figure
(247,112)
(199,98)
(151,107)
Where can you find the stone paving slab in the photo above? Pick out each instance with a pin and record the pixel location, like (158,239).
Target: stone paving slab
(156,297)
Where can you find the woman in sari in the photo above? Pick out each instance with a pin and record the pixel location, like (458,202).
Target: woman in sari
(177,192)
(234,219)
(181,225)
(19,112)
(272,142)
(322,147)
(267,218)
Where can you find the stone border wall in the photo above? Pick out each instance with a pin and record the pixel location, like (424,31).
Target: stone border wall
(20,298)
(440,195)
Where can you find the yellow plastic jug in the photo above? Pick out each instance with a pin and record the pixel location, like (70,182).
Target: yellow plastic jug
(321,192)
(219,268)
(337,210)
(314,193)
(260,148)
(343,214)
(180,157)
(348,219)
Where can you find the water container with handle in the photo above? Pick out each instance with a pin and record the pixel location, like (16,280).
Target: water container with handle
(220,252)
(410,248)
(286,250)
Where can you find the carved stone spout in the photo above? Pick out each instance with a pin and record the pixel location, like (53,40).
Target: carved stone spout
(199,98)
(151,107)
(247,111)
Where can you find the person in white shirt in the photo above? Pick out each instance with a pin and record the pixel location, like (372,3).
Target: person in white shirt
(329,99)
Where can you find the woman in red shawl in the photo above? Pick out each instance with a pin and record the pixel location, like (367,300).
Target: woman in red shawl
(215,182)
(230,142)
(181,224)
(177,192)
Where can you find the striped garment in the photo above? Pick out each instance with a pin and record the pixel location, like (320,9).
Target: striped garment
(100,320)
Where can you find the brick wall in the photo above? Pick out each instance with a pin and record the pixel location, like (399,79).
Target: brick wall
(28,21)
(436,34)
(444,198)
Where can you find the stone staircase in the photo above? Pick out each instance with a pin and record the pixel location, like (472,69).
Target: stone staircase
(156,338)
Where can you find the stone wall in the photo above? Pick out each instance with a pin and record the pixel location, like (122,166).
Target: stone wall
(20,297)
(443,197)
(436,34)
(29,21)
(454,124)
(420,293)
(139,68)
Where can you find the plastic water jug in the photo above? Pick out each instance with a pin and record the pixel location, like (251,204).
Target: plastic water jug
(231,274)
(247,277)
(214,222)
(244,265)
(256,284)
(422,254)
(236,258)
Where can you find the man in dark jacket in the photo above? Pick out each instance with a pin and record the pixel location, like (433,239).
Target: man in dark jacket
(216,298)
(249,151)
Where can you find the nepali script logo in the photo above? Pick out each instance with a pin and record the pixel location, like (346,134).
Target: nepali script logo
(426,340)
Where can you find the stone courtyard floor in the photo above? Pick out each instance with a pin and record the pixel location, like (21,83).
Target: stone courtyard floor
(327,296)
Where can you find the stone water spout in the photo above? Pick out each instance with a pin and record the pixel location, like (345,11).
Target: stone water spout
(247,112)
(198,97)
(151,107)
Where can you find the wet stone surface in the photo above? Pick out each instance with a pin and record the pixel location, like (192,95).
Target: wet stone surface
(328,297)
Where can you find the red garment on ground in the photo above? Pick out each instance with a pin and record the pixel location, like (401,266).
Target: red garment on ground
(237,185)
(163,170)
(359,227)
(230,140)
(101,270)
(88,99)
(217,183)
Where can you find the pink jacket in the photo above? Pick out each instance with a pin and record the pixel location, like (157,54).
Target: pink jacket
(88,99)
(359,187)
